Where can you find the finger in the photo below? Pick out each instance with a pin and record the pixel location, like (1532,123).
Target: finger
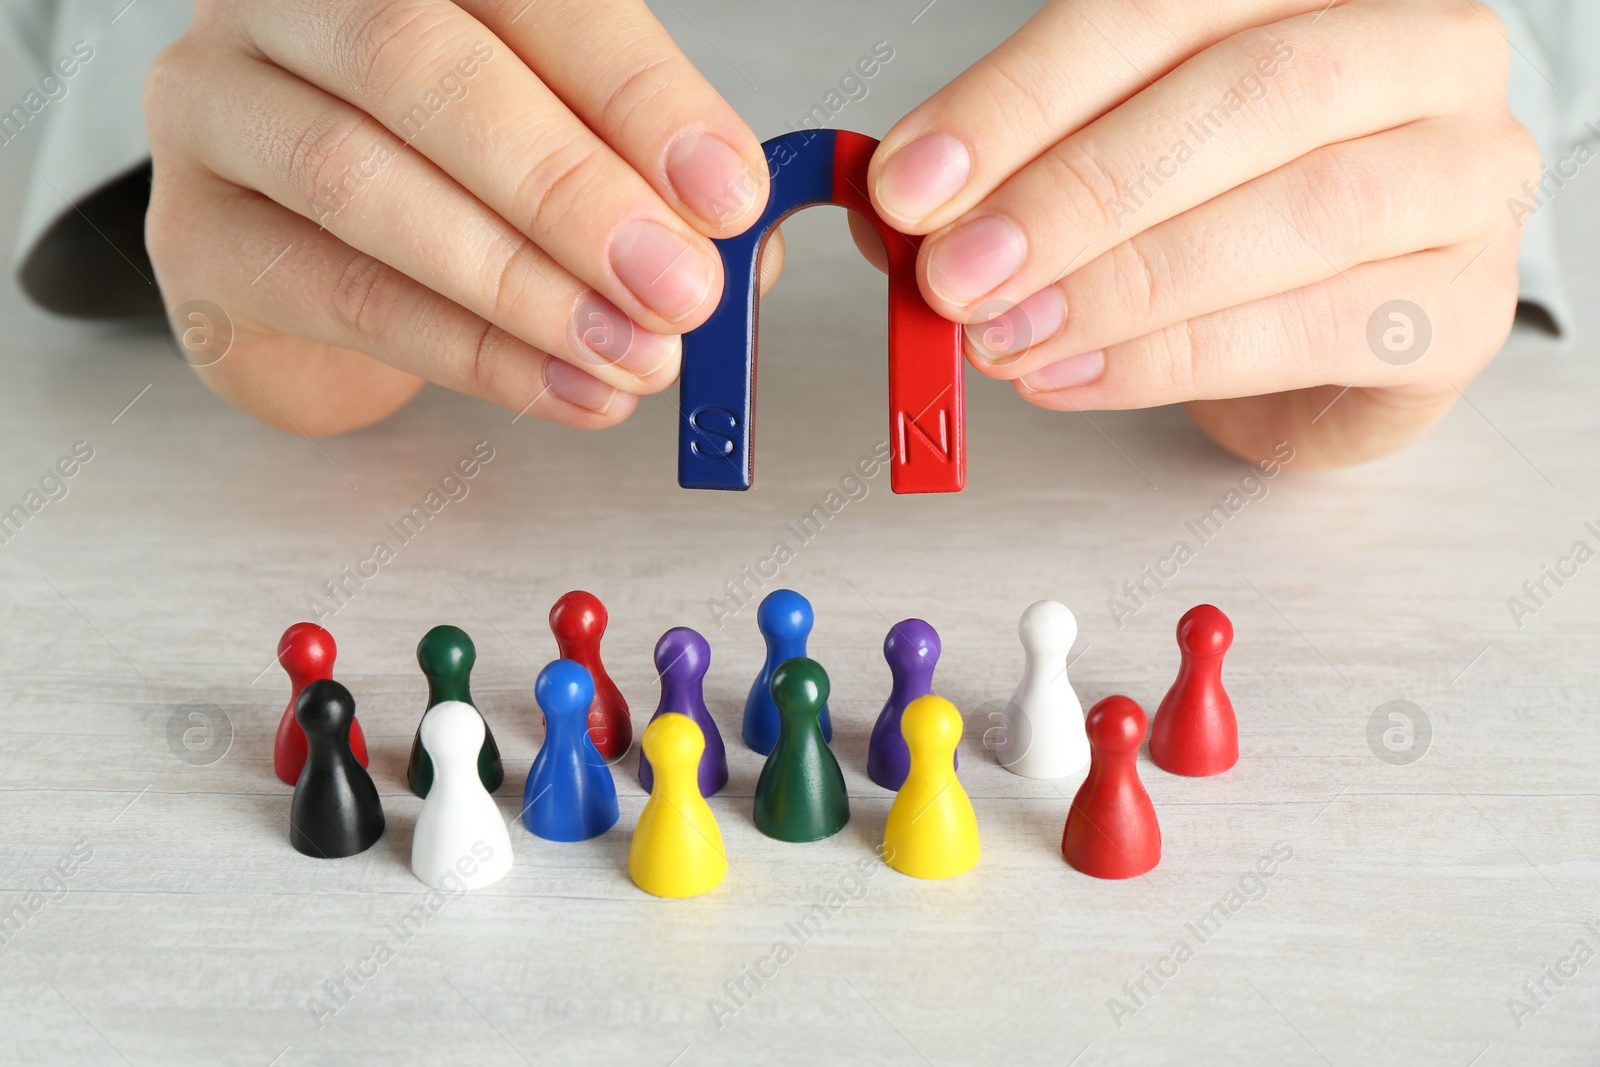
(1433,183)
(279,273)
(869,242)
(1233,113)
(643,97)
(1071,63)
(448,87)
(772,260)
(1329,332)
(289,140)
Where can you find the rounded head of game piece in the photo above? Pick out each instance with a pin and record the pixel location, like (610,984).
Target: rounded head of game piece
(785,615)
(446,650)
(682,655)
(306,650)
(800,687)
(578,616)
(1116,724)
(673,740)
(452,730)
(931,725)
(325,708)
(1048,628)
(1205,631)
(564,689)
(912,644)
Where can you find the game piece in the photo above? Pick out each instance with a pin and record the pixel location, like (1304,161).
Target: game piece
(677,848)
(682,659)
(1043,735)
(336,811)
(306,651)
(569,795)
(446,655)
(912,651)
(578,621)
(716,447)
(460,833)
(1194,732)
(1111,829)
(800,795)
(932,830)
(785,621)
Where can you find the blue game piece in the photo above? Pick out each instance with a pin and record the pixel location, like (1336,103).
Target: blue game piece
(570,795)
(912,651)
(785,619)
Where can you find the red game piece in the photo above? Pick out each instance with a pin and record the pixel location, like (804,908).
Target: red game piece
(1195,732)
(1111,831)
(579,620)
(306,651)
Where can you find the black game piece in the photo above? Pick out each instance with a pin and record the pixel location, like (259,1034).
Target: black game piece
(336,810)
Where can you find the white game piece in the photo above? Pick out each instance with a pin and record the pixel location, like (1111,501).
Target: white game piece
(461,837)
(1044,735)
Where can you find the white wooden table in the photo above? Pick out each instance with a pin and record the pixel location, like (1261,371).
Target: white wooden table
(1410,903)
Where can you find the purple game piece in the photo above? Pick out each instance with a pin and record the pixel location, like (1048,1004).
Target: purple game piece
(682,659)
(912,649)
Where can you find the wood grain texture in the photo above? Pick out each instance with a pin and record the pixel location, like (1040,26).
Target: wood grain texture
(1418,898)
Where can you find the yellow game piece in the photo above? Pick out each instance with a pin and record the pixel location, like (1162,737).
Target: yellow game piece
(932,831)
(677,848)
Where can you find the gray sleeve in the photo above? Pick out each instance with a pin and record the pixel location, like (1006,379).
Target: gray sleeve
(1555,92)
(26,27)
(77,112)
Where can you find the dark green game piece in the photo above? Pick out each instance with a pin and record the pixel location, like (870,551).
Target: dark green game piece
(446,655)
(800,795)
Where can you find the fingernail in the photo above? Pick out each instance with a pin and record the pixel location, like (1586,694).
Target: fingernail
(975,258)
(578,388)
(601,335)
(923,176)
(711,178)
(661,269)
(1063,374)
(1008,332)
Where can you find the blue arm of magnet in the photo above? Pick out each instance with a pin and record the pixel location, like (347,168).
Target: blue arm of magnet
(716,391)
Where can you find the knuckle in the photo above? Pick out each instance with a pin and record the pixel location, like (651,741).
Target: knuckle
(1174,360)
(380,44)
(323,152)
(1493,304)
(169,232)
(1172,21)
(1020,99)
(1481,26)
(480,370)
(1086,183)
(167,85)
(513,278)
(560,181)
(645,82)
(1304,89)
(1476,33)
(1340,205)
(1522,151)
(1142,275)
(1317,319)
(365,299)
